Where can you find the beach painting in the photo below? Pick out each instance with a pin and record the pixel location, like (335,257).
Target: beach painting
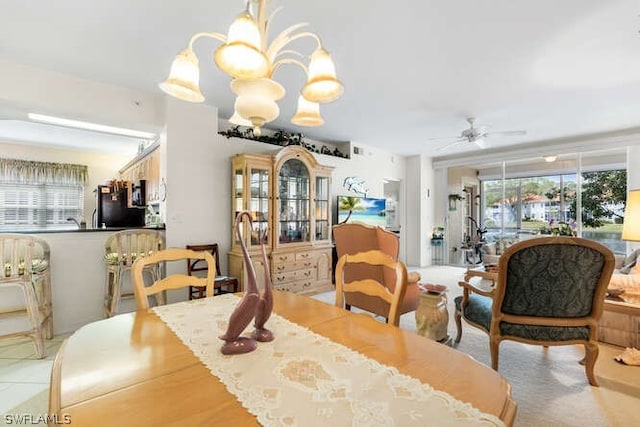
(366,210)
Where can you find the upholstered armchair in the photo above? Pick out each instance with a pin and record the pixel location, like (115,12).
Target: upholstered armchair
(548,291)
(353,238)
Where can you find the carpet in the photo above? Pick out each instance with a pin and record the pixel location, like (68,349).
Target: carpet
(549,385)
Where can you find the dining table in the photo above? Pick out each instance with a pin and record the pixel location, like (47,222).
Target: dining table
(163,366)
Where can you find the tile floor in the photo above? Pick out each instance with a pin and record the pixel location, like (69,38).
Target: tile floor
(23,377)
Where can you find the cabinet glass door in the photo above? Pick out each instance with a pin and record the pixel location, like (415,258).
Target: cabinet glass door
(322,208)
(259,203)
(238,198)
(293,195)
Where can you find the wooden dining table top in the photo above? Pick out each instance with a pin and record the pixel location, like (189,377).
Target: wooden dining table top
(132,370)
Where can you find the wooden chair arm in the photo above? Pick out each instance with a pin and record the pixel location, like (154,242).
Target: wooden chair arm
(486,291)
(413,277)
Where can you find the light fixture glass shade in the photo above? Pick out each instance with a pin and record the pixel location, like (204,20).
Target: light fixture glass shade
(631,226)
(322,84)
(308,114)
(550,158)
(241,56)
(184,78)
(237,119)
(256,99)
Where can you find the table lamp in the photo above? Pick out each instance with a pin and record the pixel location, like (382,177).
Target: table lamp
(631,226)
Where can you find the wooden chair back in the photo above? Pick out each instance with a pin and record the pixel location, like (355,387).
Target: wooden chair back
(372,287)
(174,281)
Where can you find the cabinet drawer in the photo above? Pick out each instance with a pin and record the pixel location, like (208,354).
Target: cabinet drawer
(305,255)
(282,277)
(280,267)
(289,287)
(281,258)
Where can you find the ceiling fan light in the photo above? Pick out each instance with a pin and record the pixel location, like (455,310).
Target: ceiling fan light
(481,143)
(184,78)
(241,56)
(308,114)
(322,84)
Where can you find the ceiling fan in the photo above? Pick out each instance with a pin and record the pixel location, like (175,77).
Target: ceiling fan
(475,135)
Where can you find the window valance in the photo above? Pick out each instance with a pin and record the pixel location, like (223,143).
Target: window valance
(14,171)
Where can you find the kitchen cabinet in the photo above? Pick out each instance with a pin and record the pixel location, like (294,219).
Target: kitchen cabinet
(288,194)
(145,166)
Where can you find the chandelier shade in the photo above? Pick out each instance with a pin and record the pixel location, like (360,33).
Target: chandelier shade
(251,61)
(322,85)
(308,114)
(241,57)
(184,78)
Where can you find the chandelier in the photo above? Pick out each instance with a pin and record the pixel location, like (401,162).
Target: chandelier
(251,61)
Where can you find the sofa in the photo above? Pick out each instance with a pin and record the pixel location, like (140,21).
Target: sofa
(626,277)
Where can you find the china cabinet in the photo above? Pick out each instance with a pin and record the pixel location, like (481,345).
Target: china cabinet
(288,195)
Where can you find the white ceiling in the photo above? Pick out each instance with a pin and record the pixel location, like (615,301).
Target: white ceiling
(412,70)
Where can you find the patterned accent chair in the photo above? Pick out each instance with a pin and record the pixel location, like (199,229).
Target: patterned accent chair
(353,238)
(549,291)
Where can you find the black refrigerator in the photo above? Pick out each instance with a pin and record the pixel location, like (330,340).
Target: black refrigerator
(112,208)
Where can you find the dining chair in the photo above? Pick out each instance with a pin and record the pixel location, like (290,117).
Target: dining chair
(158,286)
(373,287)
(25,289)
(352,238)
(549,291)
(222,283)
(122,249)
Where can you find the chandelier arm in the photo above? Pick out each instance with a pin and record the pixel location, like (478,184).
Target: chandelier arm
(217,36)
(288,61)
(282,39)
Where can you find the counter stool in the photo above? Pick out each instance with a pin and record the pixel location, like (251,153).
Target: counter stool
(26,268)
(222,284)
(121,250)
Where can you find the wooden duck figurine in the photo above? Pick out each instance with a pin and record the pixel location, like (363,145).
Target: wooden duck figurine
(265,305)
(246,308)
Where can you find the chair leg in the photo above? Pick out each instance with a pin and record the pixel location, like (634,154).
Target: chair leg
(494,346)
(33,312)
(591,355)
(458,317)
(48,308)
(114,294)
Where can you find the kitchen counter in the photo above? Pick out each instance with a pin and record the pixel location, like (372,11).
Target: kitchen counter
(78,276)
(88,230)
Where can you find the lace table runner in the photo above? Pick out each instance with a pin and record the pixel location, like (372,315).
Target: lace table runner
(304,379)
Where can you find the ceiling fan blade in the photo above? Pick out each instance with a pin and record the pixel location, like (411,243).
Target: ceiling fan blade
(440,138)
(507,133)
(452,144)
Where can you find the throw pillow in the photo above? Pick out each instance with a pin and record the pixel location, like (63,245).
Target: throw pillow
(630,262)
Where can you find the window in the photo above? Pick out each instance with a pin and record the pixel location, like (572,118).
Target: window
(40,195)
(527,205)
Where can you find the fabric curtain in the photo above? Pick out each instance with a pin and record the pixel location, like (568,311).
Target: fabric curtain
(13,171)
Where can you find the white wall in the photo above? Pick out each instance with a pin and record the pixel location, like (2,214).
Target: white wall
(420,197)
